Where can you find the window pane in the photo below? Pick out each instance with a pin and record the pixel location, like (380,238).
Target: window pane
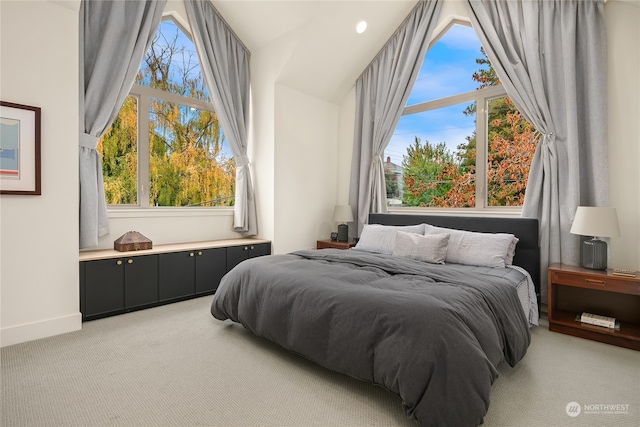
(449,66)
(511,143)
(438,162)
(171,64)
(184,160)
(190,164)
(118,148)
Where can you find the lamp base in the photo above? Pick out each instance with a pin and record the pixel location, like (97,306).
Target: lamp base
(343,233)
(594,254)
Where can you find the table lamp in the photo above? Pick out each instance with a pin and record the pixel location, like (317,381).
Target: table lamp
(343,214)
(595,222)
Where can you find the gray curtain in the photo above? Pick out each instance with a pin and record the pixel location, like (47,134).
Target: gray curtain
(114,36)
(382,92)
(551,58)
(225,64)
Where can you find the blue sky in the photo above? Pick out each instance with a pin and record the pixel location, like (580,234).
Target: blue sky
(446,70)
(189,57)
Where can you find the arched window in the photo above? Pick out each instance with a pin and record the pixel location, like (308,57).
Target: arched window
(166,147)
(460,142)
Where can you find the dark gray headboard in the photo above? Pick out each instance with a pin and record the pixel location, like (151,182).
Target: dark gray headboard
(526,229)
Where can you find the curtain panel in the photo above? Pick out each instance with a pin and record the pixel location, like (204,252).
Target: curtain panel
(225,65)
(551,58)
(382,92)
(114,37)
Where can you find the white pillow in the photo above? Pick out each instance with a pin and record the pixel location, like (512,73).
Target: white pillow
(473,248)
(512,251)
(382,238)
(431,248)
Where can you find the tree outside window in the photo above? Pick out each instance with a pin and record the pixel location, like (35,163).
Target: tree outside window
(470,148)
(182,158)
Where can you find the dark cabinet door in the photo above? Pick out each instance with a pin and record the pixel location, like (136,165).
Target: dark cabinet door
(104,287)
(177,275)
(237,254)
(141,281)
(259,249)
(115,285)
(211,265)
(83,269)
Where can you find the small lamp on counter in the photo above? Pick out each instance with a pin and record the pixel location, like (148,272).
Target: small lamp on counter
(595,222)
(343,214)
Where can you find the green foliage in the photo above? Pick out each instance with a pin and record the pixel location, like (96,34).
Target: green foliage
(119,160)
(423,166)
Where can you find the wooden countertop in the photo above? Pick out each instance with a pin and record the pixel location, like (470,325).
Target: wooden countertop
(174,247)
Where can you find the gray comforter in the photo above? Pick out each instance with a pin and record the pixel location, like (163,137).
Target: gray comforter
(432,334)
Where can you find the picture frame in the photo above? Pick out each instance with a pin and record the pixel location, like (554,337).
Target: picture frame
(19,149)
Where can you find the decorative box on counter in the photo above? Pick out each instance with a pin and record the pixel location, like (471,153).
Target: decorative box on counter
(132,241)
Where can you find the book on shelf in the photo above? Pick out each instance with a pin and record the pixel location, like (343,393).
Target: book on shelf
(598,320)
(624,273)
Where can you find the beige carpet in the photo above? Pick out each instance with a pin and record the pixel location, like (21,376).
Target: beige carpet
(177,366)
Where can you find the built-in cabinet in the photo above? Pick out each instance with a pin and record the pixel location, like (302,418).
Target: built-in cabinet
(117,282)
(195,272)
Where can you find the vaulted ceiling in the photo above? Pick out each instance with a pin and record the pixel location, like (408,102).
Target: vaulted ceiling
(330,55)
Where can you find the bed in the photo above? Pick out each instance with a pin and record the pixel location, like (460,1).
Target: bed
(397,312)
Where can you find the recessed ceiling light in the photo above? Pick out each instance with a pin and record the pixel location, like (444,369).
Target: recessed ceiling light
(361,27)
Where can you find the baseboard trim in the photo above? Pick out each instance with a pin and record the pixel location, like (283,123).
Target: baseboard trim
(41,329)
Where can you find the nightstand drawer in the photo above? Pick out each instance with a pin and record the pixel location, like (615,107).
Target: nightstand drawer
(333,244)
(599,282)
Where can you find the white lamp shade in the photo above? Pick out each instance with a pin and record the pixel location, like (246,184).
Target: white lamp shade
(595,222)
(342,213)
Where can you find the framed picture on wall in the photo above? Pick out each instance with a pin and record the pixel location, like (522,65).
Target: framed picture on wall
(19,149)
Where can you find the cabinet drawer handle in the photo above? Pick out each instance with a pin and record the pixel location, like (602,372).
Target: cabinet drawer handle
(119,262)
(130,261)
(190,253)
(199,252)
(252,247)
(595,282)
(246,248)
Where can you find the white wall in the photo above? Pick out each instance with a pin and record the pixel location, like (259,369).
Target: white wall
(39,289)
(266,66)
(293,150)
(623,39)
(306,130)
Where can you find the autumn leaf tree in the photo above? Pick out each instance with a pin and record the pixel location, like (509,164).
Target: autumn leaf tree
(187,163)
(511,143)
(119,156)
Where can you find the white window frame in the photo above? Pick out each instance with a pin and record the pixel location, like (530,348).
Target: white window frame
(481,97)
(143,208)
(144,95)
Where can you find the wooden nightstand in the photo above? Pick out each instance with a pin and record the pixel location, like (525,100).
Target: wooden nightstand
(333,244)
(574,290)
